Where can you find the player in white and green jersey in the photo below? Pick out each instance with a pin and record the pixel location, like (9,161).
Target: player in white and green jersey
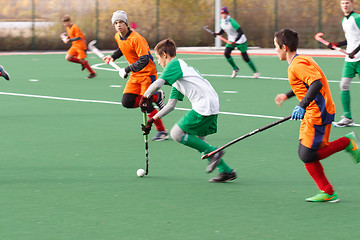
(351,26)
(238,39)
(201,120)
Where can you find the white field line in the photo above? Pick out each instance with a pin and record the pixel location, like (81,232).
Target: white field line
(99,66)
(119,103)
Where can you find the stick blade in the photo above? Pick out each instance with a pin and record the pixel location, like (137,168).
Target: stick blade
(318,35)
(205,156)
(91,45)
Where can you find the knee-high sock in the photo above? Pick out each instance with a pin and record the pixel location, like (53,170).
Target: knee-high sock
(232,63)
(158,123)
(87,66)
(345,100)
(333,147)
(252,66)
(317,173)
(203,147)
(74,60)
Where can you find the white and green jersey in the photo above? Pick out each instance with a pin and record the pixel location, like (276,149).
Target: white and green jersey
(187,81)
(351,27)
(230,26)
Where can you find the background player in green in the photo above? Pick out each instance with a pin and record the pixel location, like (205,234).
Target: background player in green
(201,121)
(238,39)
(351,26)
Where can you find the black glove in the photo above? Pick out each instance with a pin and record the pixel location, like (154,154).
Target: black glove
(351,55)
(146,129)
(215,34)
(333,44)
(144,103)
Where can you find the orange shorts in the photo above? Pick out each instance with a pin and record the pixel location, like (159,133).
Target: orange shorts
(77,52)
(139,84)
(314,136)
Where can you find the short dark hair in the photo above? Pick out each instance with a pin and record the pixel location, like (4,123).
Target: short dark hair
(287,37)
(167,46)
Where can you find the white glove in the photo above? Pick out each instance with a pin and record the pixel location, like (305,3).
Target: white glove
(123,73)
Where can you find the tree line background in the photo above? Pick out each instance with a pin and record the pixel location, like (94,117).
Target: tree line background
(159,19)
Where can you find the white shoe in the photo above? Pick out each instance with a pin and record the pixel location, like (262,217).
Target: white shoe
(4,73)
(344,122)
(234,73)
(160,136)
(256,75)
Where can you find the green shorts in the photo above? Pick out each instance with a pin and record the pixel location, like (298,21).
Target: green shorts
(197,124)
(350,69)
(242,47)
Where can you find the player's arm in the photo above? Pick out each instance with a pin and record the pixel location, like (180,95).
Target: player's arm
(154,87)
(280,98)
(337,44)
(139,64)
(356,50)
(240,33)
(110,58)
(219,33)
(299,110)
(313,90)
(74,39)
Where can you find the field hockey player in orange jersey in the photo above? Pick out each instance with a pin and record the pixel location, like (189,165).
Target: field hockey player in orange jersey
(142,69)
(77,51)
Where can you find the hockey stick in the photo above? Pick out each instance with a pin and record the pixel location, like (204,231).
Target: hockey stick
(319,38)
(146,139)
(211,32)
(245,136)
(92,48)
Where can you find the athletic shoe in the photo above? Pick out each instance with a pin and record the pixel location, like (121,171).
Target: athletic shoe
(214,161)
(4,73)
(91,75)
(224,177)
(353,147)
(323,197)
(256,75)
(83,65)
(160,136)
(344,122)
(233,75)
(160,100)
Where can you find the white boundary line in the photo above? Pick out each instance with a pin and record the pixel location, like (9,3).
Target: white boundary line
(119,103)
(99,67)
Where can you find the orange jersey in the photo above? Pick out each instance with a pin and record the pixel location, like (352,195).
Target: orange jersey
(75,32)
(302,72)
(132,48)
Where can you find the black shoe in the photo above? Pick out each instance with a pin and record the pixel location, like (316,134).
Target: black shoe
(160,101)
(92,75)
(224,177)
(214,161)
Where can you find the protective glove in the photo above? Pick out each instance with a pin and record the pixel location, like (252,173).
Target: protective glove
(333,44)
(352,54)
(123,73)
(146,129)
(144,103)
(233,44)
(298,113)
(216,34)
